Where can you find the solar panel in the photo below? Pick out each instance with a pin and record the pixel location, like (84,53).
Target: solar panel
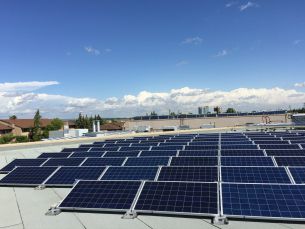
(75,149)
(246,161)
(22,162)
(236,143)
(194,161)
(298,174)
(122,154)
(87,154)
(138,148)
(290,161)
(280,146)
(203,143)
(146,161)
(205,147)
(163,148)
(264,200)
(247,152)
(53,155)
(178,197)
(66,176)
(232,147)
(101,196)
(254,175)
(203,174)
(198,153)
(27,176)
(158,153)
(64,162)
(109,161)
(289,152)
(130,173)
(278,142)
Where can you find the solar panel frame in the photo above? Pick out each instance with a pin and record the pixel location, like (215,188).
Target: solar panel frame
(54,155)
(246,161)
(75,161)
(194,161)
(147,161)
(104,161)
(29,162)
(298,174)
(158,153)
(121,154)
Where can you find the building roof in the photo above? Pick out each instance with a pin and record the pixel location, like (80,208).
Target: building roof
(27,123)
(5,127)
(111,126)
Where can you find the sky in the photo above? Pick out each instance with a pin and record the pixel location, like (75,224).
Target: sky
(129,57)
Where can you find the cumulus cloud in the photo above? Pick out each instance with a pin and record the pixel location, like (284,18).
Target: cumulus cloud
(184,99)
(229,4)
(91,50)
(222,53)
(247,6)
(299,84)
(192,40)
(25,86)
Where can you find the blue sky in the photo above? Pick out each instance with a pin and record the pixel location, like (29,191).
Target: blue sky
(102,49)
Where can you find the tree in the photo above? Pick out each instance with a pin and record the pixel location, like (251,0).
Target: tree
(231,110)
(217,109)
(56,124)
(153,113)
(36,132)
(13,117)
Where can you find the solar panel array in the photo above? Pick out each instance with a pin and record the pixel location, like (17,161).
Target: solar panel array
(237,175)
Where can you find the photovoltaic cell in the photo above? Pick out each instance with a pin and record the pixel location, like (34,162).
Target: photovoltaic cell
(203,174)
(232,147)
(22,162)
(122,154)
(289,152)
(280,146)
(68,175)
(194,161)
(205,147)
(254,175)
(87,154)
(130,173)
(146,161)
(101,195)
(53,155)
(158,153)
(64,162)
(246,161)
(28,176)
(241,153)
(180,197)
(198,153)
(290,161)
(298,174)
(264,200)
(109,161)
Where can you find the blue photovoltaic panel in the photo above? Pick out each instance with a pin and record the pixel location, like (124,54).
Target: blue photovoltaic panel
(27,176)
(194,161)
(68,175)
(298,174)
(130,173)
(232,147)
(203,143)
(203,174)
(289,152)
(139,148)
(22,162)
(87,154)
(64,162)
(175,147)
(278,142)
(122,154)
(109,161)
(236,143)
(205,147)
(264,200)
(101,195)
(145,144)
(243,153)
(254,175)
(280,146)
(198,153)
(246,161)
(105,149)
(173,144)
(158,153)
(180,197)
(53,155)
(84,149)
(146,161)
(290,161)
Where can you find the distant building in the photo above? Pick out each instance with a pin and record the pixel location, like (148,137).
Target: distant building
(203,110)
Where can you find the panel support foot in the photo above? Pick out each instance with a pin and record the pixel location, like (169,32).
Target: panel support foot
(40,187)
(220,220)
(53,211)
(131,214)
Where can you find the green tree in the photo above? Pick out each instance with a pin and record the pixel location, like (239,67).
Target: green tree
(13,117)
(231,110)
(36,132)
(56,124)
(217,109)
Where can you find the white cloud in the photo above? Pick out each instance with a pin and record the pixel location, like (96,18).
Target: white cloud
(184,99)
(107,50)
(299,84)
(297,42)
(222,53)
(192,40)
(25,86)
(248,5)
(181,63)
(229,4)
(91,50)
